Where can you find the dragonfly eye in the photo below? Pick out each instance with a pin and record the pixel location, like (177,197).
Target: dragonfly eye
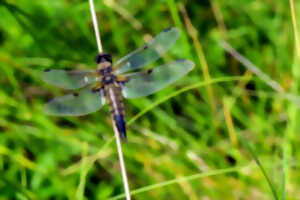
(167,29)
(149,71)
(102,57)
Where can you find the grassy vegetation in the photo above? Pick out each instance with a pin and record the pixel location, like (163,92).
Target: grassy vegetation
(221,132)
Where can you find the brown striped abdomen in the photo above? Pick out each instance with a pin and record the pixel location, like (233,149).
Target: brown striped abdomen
(115,99)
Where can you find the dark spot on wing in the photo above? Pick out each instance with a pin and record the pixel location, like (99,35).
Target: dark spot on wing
(149,71)
(122,83)
(167,29)
(75,94)
(94,90)
(145,47)
(47,70)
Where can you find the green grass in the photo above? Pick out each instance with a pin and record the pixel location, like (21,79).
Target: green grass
(218,133)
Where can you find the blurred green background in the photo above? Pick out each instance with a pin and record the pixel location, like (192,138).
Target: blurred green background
(222,138)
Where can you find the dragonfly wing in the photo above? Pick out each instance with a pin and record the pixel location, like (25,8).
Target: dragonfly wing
(69,79)
(145,83)
(76,104)
(149,52)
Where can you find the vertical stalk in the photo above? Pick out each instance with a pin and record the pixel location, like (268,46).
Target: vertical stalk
(117,135)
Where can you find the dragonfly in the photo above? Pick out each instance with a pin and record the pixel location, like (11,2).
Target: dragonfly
(111,82)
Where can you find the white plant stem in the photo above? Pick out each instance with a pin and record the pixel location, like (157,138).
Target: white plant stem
(117,135)
(122,164)
(97,33)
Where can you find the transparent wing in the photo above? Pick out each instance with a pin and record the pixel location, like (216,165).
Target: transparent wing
(149,52)
(76,104)
(69,79)
(145,83)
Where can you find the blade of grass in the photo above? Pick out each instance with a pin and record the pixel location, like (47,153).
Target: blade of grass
(297,43)
(250,66)
(124,13)
(18,188)
(179,180)
(83,173)
(203,63)
(89,159)
(284,170)
(257,161)
(18,158)
(287,148)
(219,17)
(185,89)
(263,76)
(229,122)
(184,39)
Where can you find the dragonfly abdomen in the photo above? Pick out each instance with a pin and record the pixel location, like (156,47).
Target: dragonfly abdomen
(114,96)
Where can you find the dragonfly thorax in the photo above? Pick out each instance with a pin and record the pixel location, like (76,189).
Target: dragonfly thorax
(108,79)
(104,62)
(104,68)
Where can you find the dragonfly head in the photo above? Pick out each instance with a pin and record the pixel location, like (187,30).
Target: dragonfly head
(103,57)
